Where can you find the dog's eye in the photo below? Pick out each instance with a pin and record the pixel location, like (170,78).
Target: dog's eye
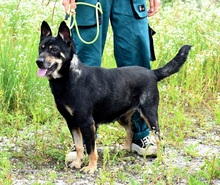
(41,48)
(54,50)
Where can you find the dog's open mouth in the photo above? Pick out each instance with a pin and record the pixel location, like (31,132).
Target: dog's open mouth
(46,72)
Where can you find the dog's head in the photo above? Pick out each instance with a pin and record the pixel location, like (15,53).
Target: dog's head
(55,53)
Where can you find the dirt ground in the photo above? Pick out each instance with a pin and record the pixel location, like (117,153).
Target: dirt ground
(191,157)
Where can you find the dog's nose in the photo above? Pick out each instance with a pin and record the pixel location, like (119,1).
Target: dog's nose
(40,62)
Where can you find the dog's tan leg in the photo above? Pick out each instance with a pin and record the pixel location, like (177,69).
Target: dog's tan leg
(92,151)
(153,131)
(127,124)
(128,139)
(77,136)
(93,158)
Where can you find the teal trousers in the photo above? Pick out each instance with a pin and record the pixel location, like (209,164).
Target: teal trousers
(128,19)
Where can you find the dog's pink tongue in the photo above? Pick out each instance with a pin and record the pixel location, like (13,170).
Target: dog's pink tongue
(41,72)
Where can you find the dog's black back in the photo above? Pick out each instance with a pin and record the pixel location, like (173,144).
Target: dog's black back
(87,96)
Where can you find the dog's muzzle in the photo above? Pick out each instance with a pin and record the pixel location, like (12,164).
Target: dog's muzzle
(42,70)
(45,67)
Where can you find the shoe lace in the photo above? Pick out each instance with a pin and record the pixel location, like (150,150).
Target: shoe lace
(148,140)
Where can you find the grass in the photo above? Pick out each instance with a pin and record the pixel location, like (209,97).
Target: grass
(34,136)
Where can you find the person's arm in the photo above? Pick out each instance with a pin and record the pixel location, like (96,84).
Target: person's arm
(154,6)
(71,3)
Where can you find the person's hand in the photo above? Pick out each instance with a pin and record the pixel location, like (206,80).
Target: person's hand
(154,6)
(69,4)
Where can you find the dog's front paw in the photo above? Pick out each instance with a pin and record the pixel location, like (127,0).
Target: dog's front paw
(76,164)
(89,169)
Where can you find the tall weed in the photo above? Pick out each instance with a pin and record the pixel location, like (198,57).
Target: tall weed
(21,92)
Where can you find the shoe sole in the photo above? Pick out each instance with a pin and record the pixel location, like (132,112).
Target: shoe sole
(150,151)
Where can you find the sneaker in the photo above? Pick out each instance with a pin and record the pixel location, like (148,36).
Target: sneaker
(145,146)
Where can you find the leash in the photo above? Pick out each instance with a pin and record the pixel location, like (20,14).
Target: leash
(73,22)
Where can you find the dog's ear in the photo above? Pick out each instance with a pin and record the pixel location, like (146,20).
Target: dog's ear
(64,32)
(45,30)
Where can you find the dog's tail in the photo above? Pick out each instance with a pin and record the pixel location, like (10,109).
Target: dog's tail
(174,65)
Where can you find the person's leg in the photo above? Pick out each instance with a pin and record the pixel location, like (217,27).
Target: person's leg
(89,54)
(131,47)
(131,36)
(106,8)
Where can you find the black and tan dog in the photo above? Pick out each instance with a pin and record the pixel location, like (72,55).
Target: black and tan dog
(88,96)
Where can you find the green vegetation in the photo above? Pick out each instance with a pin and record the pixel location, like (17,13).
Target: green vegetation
(34,136)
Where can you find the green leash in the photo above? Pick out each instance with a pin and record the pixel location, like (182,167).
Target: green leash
(73,21)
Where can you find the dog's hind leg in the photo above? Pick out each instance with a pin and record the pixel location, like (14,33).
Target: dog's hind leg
(77,137)
(125,121)
(150,115)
